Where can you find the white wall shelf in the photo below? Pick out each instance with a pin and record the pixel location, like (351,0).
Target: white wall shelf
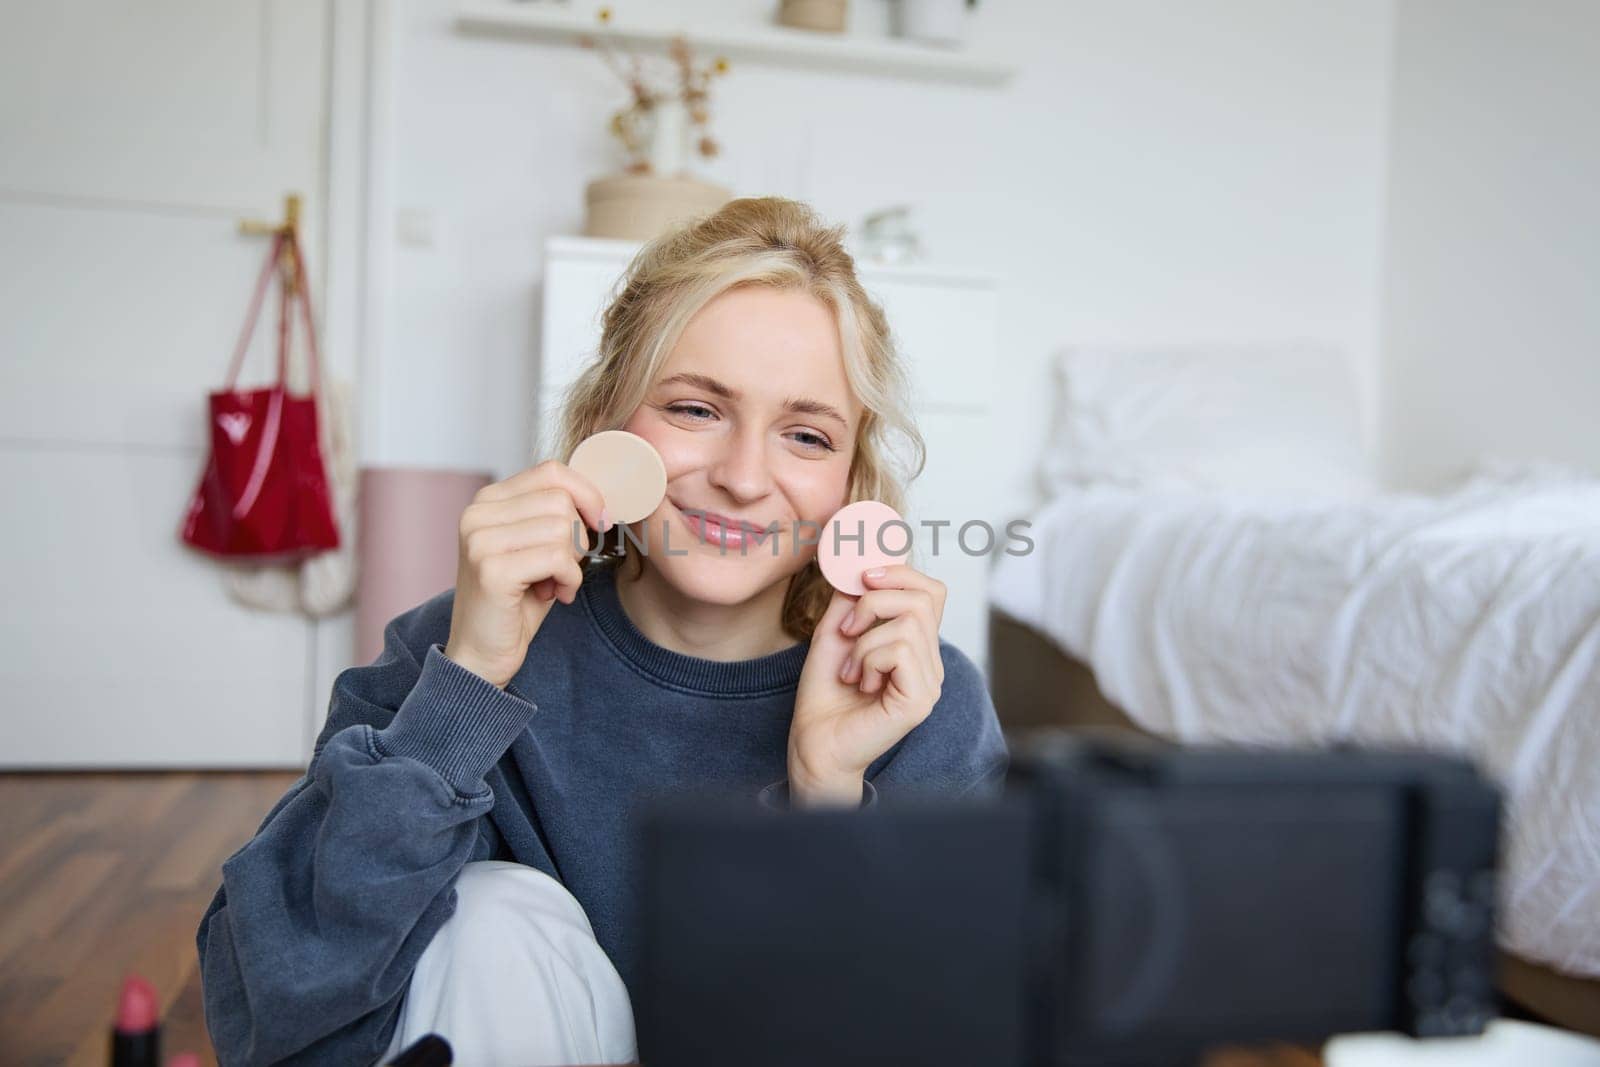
(774,45)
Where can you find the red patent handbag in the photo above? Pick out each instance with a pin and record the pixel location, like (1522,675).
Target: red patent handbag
(263,494)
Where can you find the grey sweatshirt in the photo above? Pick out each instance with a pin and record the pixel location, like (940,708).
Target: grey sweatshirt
(307,948)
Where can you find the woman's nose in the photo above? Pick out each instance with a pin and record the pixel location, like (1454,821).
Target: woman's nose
(740,467)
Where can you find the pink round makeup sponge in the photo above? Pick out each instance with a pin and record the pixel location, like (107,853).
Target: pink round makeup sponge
(851,543)
(626,469)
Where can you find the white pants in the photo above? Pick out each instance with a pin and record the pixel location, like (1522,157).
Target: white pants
(515,977)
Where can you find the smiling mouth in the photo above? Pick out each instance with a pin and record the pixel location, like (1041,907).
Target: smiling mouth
(722,531)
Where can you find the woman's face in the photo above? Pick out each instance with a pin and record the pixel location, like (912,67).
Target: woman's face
(756,424)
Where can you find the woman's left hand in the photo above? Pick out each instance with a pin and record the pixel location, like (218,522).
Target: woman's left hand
(873,674)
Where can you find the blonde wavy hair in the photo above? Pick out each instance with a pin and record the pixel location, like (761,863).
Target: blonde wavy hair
(766,241)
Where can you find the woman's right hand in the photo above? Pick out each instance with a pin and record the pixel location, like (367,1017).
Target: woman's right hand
(517,557)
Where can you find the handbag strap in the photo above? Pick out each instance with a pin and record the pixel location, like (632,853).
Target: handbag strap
(303,292)
(254,313)
(299,293)
(285,331)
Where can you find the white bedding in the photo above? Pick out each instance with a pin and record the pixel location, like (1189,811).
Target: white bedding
(1468,623)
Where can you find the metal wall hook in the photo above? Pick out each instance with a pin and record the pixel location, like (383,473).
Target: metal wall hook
(289,227)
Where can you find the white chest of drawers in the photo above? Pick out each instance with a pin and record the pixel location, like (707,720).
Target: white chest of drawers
(945,325)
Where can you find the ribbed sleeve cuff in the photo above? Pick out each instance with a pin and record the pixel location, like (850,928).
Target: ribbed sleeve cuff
(776,796)
(456,722)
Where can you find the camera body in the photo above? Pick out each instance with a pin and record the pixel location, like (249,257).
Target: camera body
(1190,897)
(1121,903)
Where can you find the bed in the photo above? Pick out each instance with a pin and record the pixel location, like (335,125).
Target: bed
(1216,565)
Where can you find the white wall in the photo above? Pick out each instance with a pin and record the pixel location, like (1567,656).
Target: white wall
(1157,170)
(1492,326)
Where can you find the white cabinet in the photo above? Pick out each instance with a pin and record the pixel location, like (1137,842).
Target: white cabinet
(945,325)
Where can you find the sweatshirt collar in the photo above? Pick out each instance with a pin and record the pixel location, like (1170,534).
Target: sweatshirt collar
(764,675)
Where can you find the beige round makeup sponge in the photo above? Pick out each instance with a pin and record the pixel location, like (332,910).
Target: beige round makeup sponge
(627,471)
(851,544)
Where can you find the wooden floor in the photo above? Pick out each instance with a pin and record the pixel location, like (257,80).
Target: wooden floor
(101,874)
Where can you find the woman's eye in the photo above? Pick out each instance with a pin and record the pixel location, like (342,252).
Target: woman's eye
(693,411)
(813,441)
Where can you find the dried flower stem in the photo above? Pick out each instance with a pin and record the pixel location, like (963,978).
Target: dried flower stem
(693,88)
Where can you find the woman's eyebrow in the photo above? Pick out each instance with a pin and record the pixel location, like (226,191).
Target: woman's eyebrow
(798,405)
(702,381)
(804,406)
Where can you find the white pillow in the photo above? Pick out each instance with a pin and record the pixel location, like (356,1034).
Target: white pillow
(1263,418)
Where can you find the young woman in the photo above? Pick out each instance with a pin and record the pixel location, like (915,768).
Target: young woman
(456,856)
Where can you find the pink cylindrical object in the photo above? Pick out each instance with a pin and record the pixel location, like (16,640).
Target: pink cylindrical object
(406,543)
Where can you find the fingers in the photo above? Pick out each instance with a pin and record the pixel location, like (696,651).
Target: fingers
(544,538)
(901,648)
(551,474)
(912,672)
(902,593)
(911,612)
(487,541)
(549,501)
(513,572)
(839,606)
(899,590)
(904,576)
(879,605)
